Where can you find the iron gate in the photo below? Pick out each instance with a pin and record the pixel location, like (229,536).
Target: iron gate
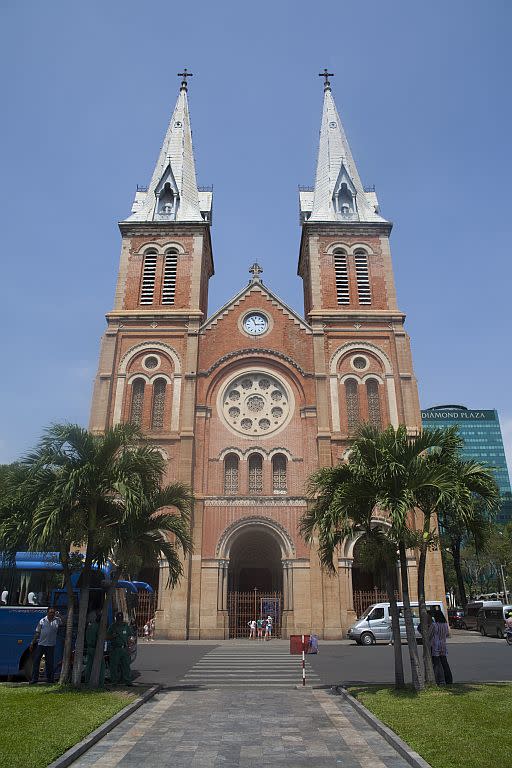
(243,607)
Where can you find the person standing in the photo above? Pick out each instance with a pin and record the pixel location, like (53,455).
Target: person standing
(252,629)
(439,634)
(91,637)
(118,633)
(44,641)
(259,628)
(268,628)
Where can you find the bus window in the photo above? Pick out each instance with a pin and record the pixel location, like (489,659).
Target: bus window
(29,587)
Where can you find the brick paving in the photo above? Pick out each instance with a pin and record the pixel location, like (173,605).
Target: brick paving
(209,728)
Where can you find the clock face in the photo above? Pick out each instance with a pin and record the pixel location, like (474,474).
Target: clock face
(255,323)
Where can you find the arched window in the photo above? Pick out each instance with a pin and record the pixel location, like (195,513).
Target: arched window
(341,275)
(352,400)
(372,393)
(255,473)
(169,281)
(363,278)
(279,473)
(167,202)
(231,474)
(158,405)
(137,403)
(147,289)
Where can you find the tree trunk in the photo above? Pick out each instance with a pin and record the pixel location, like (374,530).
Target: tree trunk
(94,680)
(424,618)
(76,677)
(416,671)
(68,640)
(395,628)
(455,549)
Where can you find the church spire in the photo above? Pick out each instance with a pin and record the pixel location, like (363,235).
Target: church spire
(338,192)
(173,194)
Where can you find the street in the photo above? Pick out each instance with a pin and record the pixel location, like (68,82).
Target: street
(472,658)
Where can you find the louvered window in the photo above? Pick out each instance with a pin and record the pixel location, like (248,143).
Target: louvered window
(157,410)
(231,474)
(341,274)
(352,400)
(363,278)
(255,473)
(372,393)
(137,403)
(147,290)
(279,473)
(169,282)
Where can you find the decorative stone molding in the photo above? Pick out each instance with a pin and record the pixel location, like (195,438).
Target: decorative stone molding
(255,501)
(255,351)
(149,345)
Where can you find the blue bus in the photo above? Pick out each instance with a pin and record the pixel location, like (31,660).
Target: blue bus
(31,583)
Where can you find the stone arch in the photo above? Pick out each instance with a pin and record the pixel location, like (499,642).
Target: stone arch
(149,346)
(121,378)
(276,530)
(359,346)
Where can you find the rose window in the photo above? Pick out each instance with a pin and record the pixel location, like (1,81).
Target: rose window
(263,404)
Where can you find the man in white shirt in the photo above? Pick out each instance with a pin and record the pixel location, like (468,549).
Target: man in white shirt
(4,597)
(45,639)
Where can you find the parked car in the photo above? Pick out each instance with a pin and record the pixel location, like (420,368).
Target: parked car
(491,621)
(375,624)
(472,608)
(456,618)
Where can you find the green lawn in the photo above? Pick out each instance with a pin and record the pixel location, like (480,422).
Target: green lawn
(40,723)
(461,726)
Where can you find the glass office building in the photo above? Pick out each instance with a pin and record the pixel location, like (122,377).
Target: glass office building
(482,441)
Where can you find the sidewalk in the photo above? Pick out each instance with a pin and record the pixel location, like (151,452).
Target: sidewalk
(243,729)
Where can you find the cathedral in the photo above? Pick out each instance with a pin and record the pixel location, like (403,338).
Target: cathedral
(245,403)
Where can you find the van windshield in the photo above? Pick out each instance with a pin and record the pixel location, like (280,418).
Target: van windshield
(367,612)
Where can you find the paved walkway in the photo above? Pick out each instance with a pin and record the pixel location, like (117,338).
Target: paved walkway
(243,729)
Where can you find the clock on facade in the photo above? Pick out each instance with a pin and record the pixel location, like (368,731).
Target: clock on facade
(255,323)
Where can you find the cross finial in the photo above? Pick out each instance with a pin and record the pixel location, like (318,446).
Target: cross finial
(326,75)
(184,75)
(256,271)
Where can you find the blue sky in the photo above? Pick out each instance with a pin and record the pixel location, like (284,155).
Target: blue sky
(423,90)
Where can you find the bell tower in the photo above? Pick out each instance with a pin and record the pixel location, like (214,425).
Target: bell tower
(362,352)
(148,357)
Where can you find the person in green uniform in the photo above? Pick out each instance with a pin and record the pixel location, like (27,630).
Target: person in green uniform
(91,636)
(118,634)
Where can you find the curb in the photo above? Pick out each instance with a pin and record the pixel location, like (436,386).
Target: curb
(403,749)
(74,752)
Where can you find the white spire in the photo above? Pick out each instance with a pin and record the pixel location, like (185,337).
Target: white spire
(172,194)
(338,193)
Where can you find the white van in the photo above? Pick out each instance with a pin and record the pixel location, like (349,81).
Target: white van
(375,624)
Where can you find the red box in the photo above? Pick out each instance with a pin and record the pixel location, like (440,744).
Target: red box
(296,644)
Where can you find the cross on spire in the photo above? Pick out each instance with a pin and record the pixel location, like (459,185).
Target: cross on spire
(184,75)
(255,271)
(326,75)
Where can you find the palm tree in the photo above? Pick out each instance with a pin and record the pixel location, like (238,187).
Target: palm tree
(91,473)
(426,537)
(342,505)
(160,529)
(468,510)
(397,461)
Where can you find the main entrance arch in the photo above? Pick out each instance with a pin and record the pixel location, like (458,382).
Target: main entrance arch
(255,550)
